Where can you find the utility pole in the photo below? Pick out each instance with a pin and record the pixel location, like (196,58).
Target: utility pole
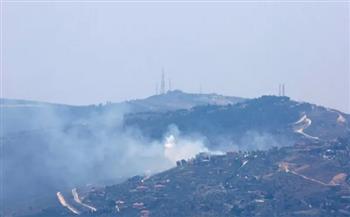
(162,84)
(279,89)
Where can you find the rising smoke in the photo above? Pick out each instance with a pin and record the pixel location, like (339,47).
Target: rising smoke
(177,147)
(62,149)
(93,149)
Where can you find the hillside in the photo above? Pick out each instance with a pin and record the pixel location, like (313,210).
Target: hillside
(303,180)
(59,143)
(258,123)
(69,146)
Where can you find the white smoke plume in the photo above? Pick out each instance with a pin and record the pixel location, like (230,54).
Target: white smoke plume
(62,154)
(177,149)
(59,153)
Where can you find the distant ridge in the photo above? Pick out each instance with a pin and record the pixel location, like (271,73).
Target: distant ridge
(171,100)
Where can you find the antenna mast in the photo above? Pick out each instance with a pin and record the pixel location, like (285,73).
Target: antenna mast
(279,89)
(162,84)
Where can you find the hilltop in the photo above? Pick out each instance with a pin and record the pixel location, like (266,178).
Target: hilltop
(177,99)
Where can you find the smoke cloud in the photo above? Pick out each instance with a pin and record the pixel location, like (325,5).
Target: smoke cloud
(62,149)
(92,149)
(177,147)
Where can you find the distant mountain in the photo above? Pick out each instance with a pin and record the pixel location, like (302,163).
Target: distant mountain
(258,123)
(20,116)
(18,102)
(24,115)
(303,180)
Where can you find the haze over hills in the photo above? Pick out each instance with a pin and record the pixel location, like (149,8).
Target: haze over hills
(258,123)
(303,180)
(100,144)
(70,146)
(36,114)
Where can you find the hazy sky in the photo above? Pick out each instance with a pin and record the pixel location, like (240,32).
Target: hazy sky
(82,53)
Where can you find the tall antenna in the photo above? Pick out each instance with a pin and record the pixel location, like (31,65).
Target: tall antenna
(281,89)
(162,84)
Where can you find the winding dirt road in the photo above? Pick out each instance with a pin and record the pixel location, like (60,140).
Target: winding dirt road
(64,203)
(78,200)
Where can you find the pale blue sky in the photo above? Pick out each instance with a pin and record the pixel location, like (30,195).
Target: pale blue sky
(83,53)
